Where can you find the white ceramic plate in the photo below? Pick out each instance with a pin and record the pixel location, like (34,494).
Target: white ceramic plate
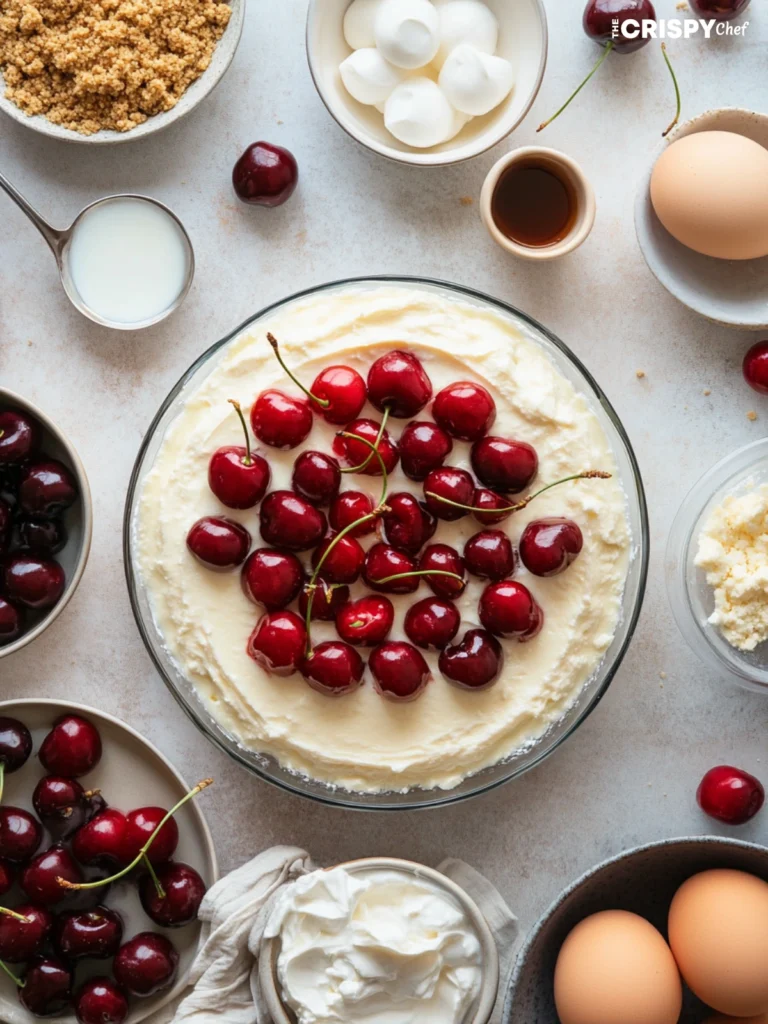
(132,773)
(729,292)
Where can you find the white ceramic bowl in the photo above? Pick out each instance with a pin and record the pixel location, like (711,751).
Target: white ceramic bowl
(729,292)
(220,61)
(522,40)
(78,519)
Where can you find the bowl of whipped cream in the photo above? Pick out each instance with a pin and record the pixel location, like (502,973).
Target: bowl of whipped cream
(427,82)
(378,940)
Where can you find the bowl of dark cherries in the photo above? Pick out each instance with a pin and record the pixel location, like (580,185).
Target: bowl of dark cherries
(45,522)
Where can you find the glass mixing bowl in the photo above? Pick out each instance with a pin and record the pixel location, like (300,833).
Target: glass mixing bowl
(266,767)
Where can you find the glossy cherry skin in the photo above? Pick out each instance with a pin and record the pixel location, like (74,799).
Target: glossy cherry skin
(600,15)
(280,420)
(139,826)
(348,508)
(15,744)
(432,623)
(72,747)
(508,609)
(93,933)
(455,485)
(504,465)
(355,452)
(184,890)
(6,525)
(39,877)
(272,578)
(219,543)
(316,477)
(549,546)
(344,389)
(20,834)
(7,877)
(102,839)
(60,804)
(424,446)
(237,480)
(407,525)
(484,499)
(721,10)
(328,601)
(490,555)
(342,563)
(333,668)
(146,964)
(22,940)
(288,521)
(42,536)
(33,582)
(446,559)
(101,1001)
(730,795)
(474,663)
(47,489)
(19,437)
(277,643)
(755,367)
(367,621)
(399,671)
(47,990)
(11,622)
(465,410)
(265,175)
(398,381)
(383,561)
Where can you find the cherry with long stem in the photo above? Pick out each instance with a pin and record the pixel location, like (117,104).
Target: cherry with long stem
(16,980)
(373,446)
(248,460)
(606,50)
(322,402)
(590,474)
(419,572)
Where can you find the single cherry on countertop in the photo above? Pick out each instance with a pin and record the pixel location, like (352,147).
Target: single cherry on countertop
(265,175)
(408,525)
(549,546)
(366,621)
(730,795)
(602,16)
(347,508)
(72,747)
(328,601)
(446,559)
(465,410)
(47,988)
(755,367)
(15,745)
(279,420)
(146,964)
(42,536)
(19,437)
(101,1001)
(432,623)
(424,446)
(397,381)
(489,555)
(20,834)
(22,940)
(39,879)
(47,489)
(93,934)
(508,609)
(11,622)
(184,890)
(399,671)
(455,486)
(343,562)
(139,827)
(504,465)
(61,805)
(33,581)
(278,641)
(474,663)
(355,453)
(333,668)
(219,543)
(316,477)
(288,521)
(383,561)
(272,578)
(101,840)
(237,476)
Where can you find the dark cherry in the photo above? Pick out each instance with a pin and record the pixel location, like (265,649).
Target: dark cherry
(219,543)
(508,609)
(328,601)
(20,834)
(280,420)
(447,559)
(755,367)
(184,890)
(407,525)
(272,578)
(549,546)
(265,175)
(22,940)
(71,748)
(475,662)
(95,934)
(19,436)
(489,555)
(47,489)
(600,17)
(101,840)
(7,877)
(11,622)
(6,525)
(146,964)
(355,453)
(33,581)
(238,480)
(455,485)
(39,879)
(15,744)
(504,465)
(383,561)
(399,671)
(366,621)
(47,990)
(720,10)
(60,804)
(42,536)
(139,826)
(398,381)
(464,410)
(432,623)
(333,668)
(486,499)
(342,563)
(278,641)
(288,521)
(344,389)
(730,795)
(347,508)
(316,477)
(424,446)
(101,1001)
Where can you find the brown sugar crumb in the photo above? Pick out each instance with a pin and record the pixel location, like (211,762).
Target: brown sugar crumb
(752,415)
(707,391)
(639,374)
(467,201)
(108,64)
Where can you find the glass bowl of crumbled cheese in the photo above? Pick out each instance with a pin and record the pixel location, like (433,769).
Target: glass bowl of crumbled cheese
(717,566)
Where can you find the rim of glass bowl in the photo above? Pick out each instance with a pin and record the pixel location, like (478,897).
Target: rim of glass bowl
(266,767)
(684,579)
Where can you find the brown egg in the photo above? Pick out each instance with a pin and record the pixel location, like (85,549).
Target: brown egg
(615,968)
(718,931)
(709,191)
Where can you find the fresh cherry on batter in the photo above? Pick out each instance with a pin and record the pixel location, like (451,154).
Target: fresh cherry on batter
(342,559)
(93,934)
(101,840)
(21,940)
(383,561)
(489,555)
(333,668)
(316,477)
(474,663)
(278,641)
(549,546)
(399,671)
(352,507)
(279,420)
(146,964)
(447,488)
(328,600)
(397,381)
(504,465)
(491,508)
(47,987)
(366,621)
(11,622)
(272,578)
(183,890)
(20,834)
(447,560)
(432,623)
(407,525)
(33,581)
(338,393)
(465,410)
(730,795)
(140,825)
(508,609)
(219,543)
(72,747)
(101,1001)
(424,446)
(237,476)
(19,437)
(357,454)
(288,521)
(39,879)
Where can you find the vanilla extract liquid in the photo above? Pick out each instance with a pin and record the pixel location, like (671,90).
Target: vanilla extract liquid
(533,206)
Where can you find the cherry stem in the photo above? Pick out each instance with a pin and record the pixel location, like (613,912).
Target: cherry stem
(590,474)
(420,572)
(12,913)
(248,461)
(322,402)
(153,875)
(65,884)
(17,981)
(606,50)
(664,134)
(374,447)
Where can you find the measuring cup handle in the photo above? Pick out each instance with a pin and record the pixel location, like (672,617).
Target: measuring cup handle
(54,238)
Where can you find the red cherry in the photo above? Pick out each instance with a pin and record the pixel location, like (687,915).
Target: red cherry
(47,988)
(344,389)
(94,934)
(398,381)
(19,437)
(504,465)
(407,525)
(432,623)
(265,175)
(219,543)
(22,940)
(355,453)
(366,621)
(288,521)
(508,609)
(489,555)
(72,748)
(328,601)
(465,410)
(101,1001)
(272,578)
(446,559)
(333,668)
(139,826)
(347,508)
(184,891)
(548,546)
(7,877)
(454,484)
(485,499)
(39,879)
(278,641)
(47,489)
(15,744)
(475,663)
(730,795)
(602,19)
(34,582)
(343,563)
(60,804)
(101,840)
(6,525)
(42,536)
(316,477)
(755,367)
(383,561)
(11,622)
(423,447)
(279,420)
(20,834)
(399,671)
(237,479)
(146,964)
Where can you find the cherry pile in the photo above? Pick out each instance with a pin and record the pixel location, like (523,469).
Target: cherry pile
(402,526)
(35,491)
(64,861)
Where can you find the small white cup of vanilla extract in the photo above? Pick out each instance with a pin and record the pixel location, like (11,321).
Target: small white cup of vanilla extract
(537,203)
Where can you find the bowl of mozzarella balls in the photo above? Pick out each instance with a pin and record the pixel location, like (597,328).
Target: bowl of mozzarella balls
(427,82)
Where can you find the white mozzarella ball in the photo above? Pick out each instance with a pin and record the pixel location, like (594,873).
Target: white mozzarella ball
(466,21)
(368,78)
(407,32)
(358,23)
(475,82)
(418,114)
